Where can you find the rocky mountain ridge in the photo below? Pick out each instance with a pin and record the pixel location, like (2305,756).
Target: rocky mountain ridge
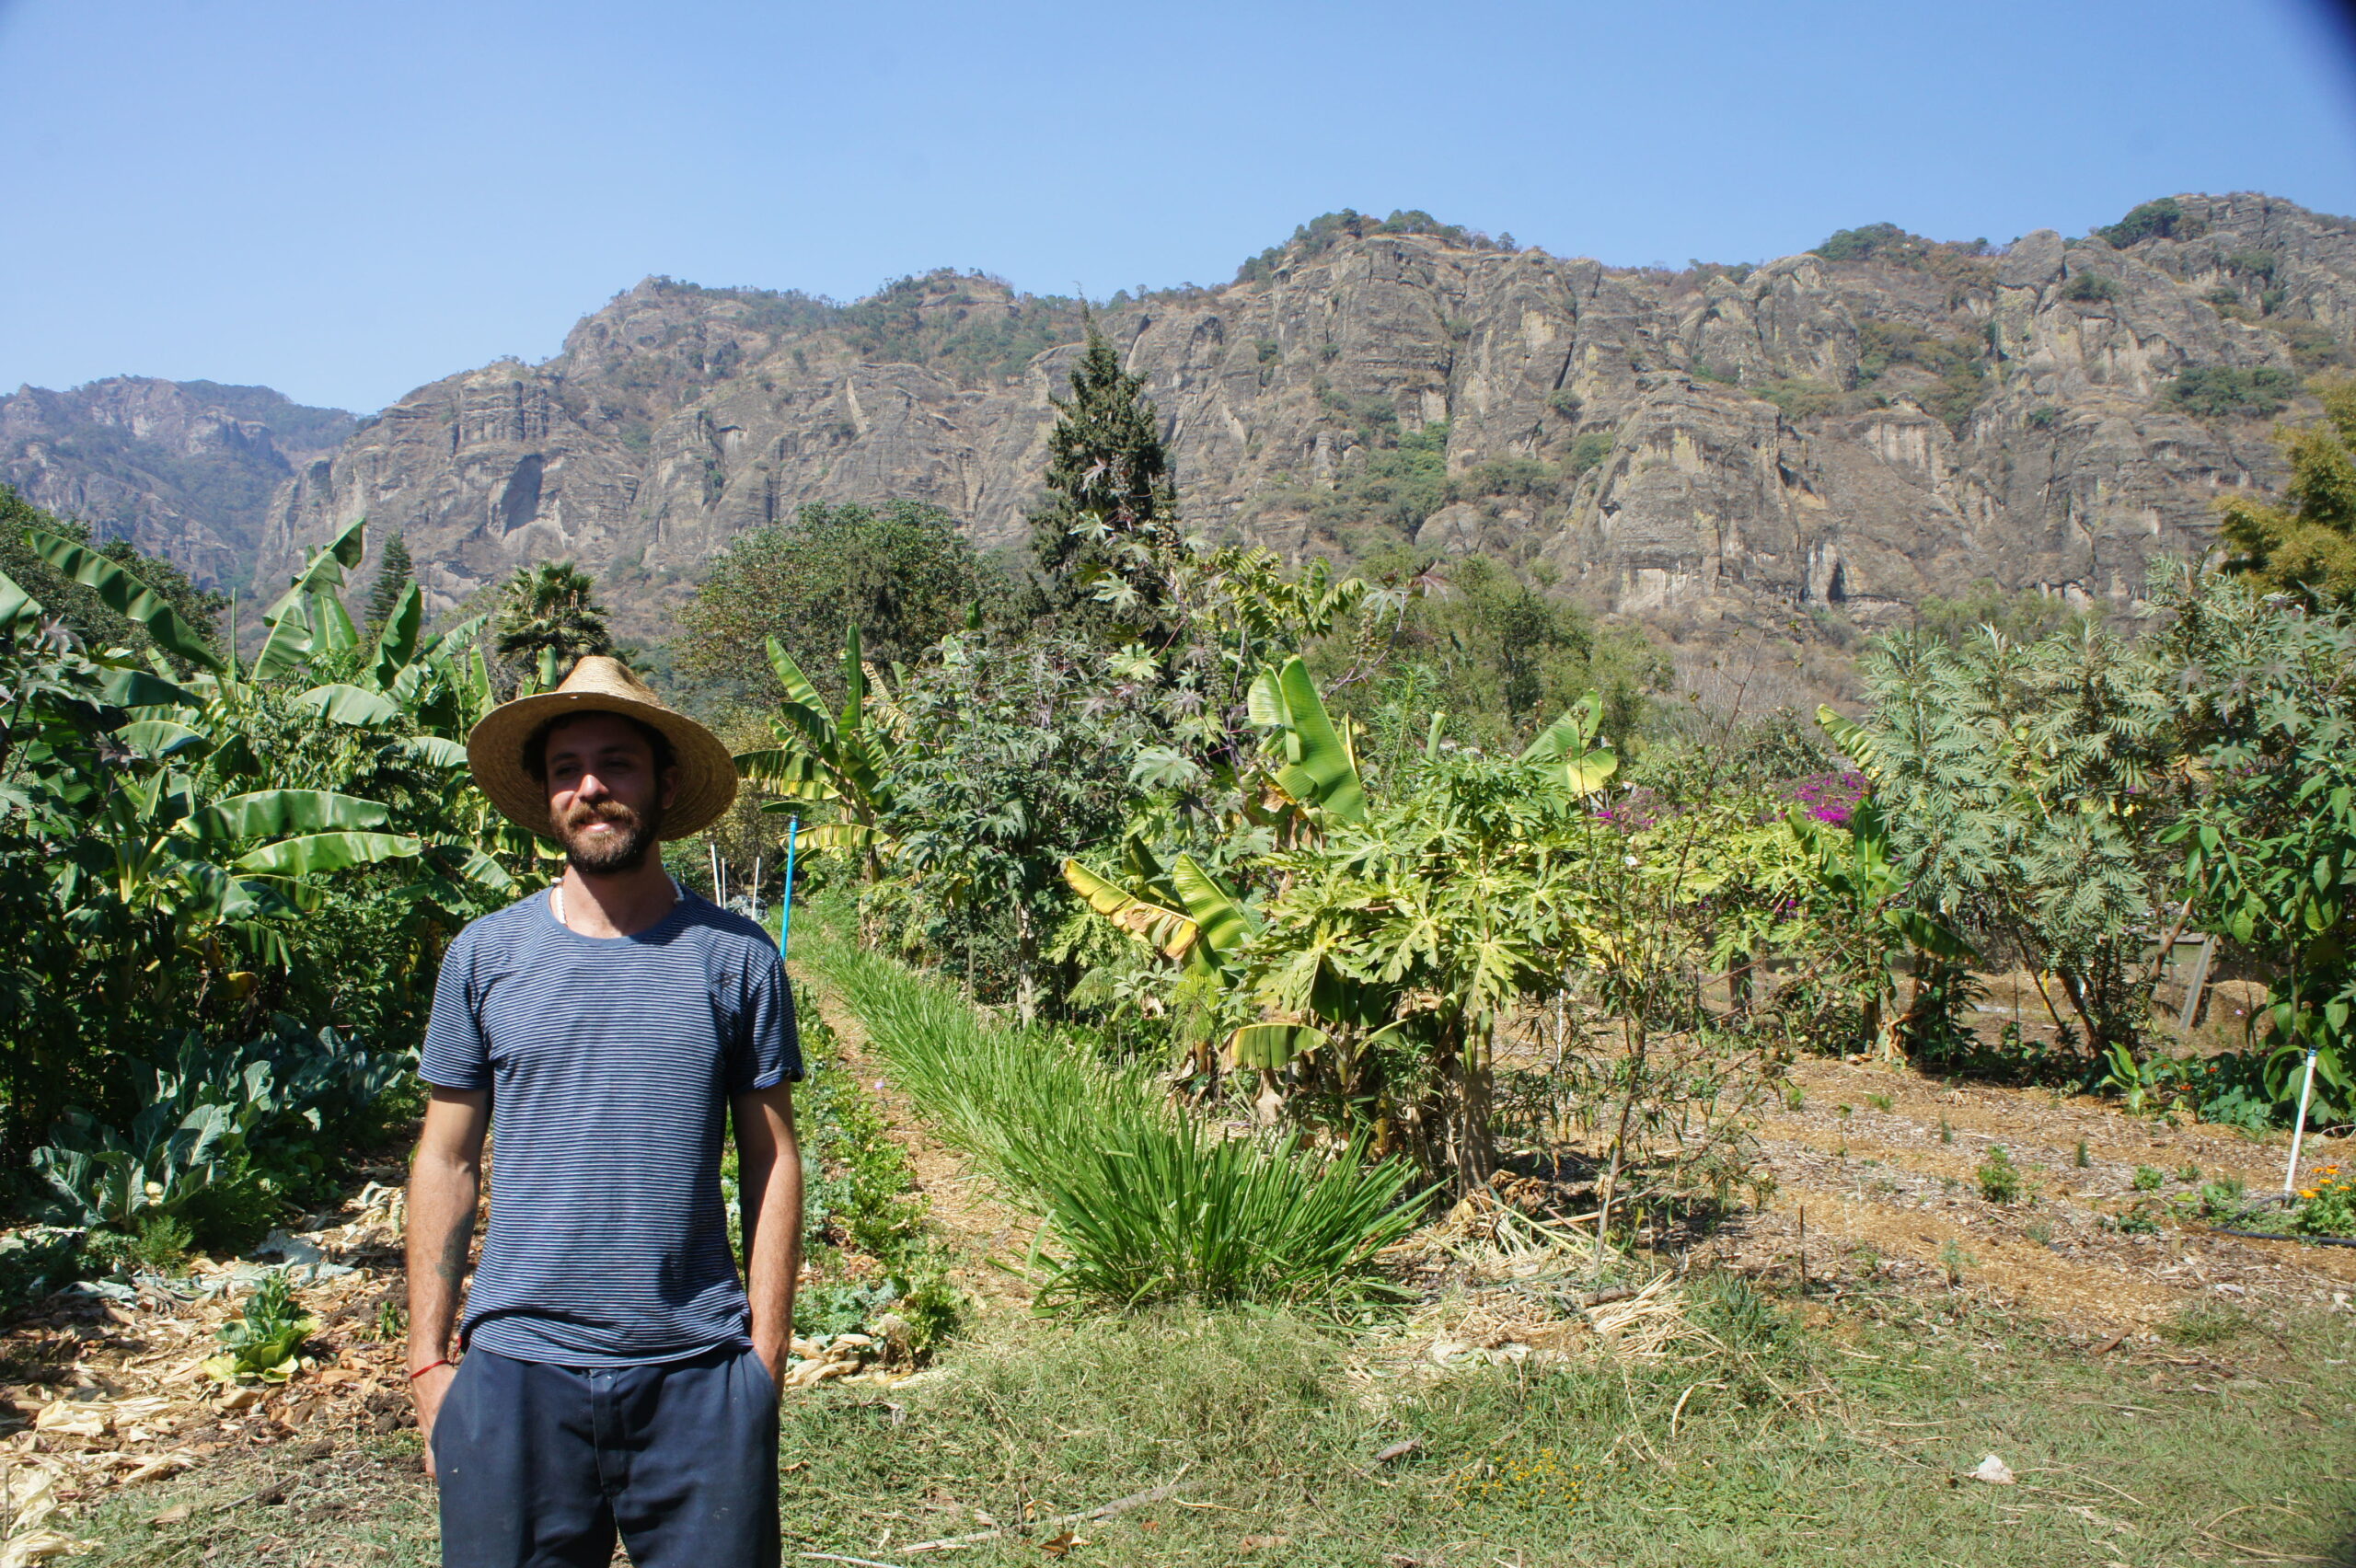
(186,470)
(1831,436)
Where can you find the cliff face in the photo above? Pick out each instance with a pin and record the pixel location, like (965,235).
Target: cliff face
(185,469)
(1840,432)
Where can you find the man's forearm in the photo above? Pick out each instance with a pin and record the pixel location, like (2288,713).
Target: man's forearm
(772,1189)
(442,1195)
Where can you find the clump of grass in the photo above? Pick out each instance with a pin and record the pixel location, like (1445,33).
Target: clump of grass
(1999,1179)
(2206,1322)
(2189,1174)
(1954,1260)
(2081,1161)
(1878,1102)
(1142,1203)
(2148,1180)
(1946,1133)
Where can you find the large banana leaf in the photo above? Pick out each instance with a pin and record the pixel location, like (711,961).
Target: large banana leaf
(161,738)
(843,836)
(1272,1044)
(1223,923)
(137,688)
(1856,742)
(296,620)
(125,592)
(333,623)
(1319,771)
(436,751)
(1168,929)
(289,641)
(397,643)
(350,705)
(272,813)
(1569,743)
(18,610)
(326,852)
(794,773)
(798,688)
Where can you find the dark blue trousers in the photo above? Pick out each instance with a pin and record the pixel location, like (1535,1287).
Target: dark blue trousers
(539,1466)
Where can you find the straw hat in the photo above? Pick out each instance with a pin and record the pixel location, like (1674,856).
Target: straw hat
(598,685)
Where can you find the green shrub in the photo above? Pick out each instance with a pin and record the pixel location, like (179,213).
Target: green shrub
(1799,397)
(159,1244)
(1141,1203)
(1565,401)
(1590,450)
(1999,1179)
(2088,288)
(2163,219)
(2252,263)
(2045,416)
(2148,1180)
(2218,391)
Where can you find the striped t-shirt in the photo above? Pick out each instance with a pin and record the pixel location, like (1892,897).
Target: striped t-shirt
(610,1062)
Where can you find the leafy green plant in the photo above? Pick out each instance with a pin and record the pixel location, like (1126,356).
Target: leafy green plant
(1954,1261)
(159,1244)
(2147,1179)
(2090,288)
(2216,391)
(264,1343)
(2327,1206)
(2000,1180)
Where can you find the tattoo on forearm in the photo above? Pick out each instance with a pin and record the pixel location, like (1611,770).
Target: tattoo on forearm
(453,1264)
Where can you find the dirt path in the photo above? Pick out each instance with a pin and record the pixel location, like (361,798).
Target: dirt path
(1881,1166)
(974,1225)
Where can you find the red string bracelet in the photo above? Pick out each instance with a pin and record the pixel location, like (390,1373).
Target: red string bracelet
(428,1368)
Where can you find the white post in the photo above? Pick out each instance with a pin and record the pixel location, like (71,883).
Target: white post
(756,888)
(718,889)
(2299,1129)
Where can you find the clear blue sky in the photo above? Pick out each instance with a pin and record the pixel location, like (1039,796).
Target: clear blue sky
(344,201)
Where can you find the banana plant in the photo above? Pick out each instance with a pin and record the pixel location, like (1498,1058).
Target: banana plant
(1572,744)
(845,761)
(309,617)
(1318,772)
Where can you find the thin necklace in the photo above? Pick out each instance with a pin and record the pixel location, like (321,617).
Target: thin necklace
(556,899)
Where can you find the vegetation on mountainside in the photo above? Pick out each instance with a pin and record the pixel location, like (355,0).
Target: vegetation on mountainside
(1323,232)
(2305,547)
(2163,219)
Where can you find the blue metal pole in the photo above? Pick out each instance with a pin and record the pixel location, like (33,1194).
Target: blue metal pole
(785,904)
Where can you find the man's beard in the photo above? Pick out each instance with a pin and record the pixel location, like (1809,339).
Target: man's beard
(610,853)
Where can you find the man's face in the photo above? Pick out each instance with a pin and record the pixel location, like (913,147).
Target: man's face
(604,799)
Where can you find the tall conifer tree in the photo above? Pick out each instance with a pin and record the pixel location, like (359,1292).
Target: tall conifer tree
(393,574)
(1111,520)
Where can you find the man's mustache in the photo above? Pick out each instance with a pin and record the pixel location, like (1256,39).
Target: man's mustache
(581,816)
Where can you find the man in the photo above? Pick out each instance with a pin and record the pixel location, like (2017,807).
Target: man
(618,1375)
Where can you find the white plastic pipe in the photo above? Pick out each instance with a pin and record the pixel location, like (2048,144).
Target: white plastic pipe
(2299,1127)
